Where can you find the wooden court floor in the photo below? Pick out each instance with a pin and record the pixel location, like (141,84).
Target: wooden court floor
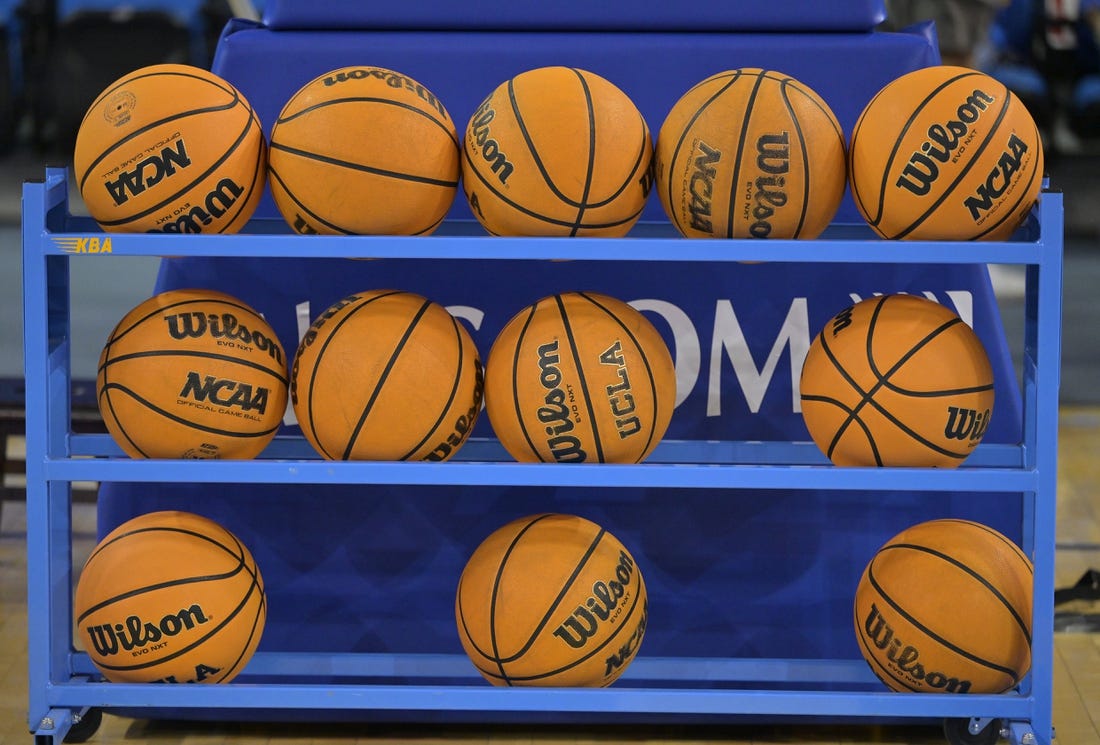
(1076,659)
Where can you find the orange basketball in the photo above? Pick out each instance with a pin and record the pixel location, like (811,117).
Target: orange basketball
(751,153)
(557,151)
(551,600)
(579,376)
(945,607)
(170,149)
(170,597)
(897,380)
(192,374)
(386,375)
(364,150)
(945,153)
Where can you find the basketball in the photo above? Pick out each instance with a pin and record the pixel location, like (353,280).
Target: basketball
(551,600)
(897,380)
(386,375)
(170,597)
(750,153)
(557,151)
(170,149)
(945,607)
(945,153)
(364,151)
(192,373)
(579,377)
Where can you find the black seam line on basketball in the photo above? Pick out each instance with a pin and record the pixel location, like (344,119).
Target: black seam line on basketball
(630,178)
(493,595)
(850,160)
(859,423)
(160,586)
(531,147)
(552,608)
(194,644)
(882,379)
(874,662)
(901,136)
(198,179)
(274,175)
(674,213)
(645,363)
(130,79)
(279,375)
(457,378)
(186,422)
(385,173)
(117,334)
(590,167)
(581,381)
(160,529)
(257,182)
(979,578)
(103,393)
(806,186)
(397,351)
(317,364)
(152,125)
(521,420)
(544,218)
(999,536)
(735,179)
(371,99)
(966,654)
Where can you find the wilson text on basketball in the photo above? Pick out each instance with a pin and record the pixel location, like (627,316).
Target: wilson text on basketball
(966,424)
(191,219)
(390,78)
(556,412)
(465,421)
(921,171)
(480,140)
(619,396)
(608,601)
(903,660)
(136,636)
(224,327)
(773,159)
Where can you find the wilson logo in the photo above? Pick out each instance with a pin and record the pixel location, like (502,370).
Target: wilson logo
(109,639)
(773,158)
(904,659)
(558,408)
(225,326)
(148,172)
(966,424)
(606,603)
(923,167)
(701,186)
(483,143)
(223,392)
(192,219)
(390,78)
(465,421)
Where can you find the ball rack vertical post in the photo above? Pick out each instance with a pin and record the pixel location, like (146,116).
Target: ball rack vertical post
(64,685)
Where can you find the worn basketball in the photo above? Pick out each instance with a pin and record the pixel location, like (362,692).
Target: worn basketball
(945,153)
(557,151)
(170,149)
(386,375)
(364,150)
(192,373)
(750,153)
(170,597)
(945,607)
(579,376)
(551,600)
(897,380)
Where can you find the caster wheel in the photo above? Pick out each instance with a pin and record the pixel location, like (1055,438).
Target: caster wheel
(958,732)
(86,727)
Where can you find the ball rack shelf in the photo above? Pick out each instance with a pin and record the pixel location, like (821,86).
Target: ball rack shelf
(66,694)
